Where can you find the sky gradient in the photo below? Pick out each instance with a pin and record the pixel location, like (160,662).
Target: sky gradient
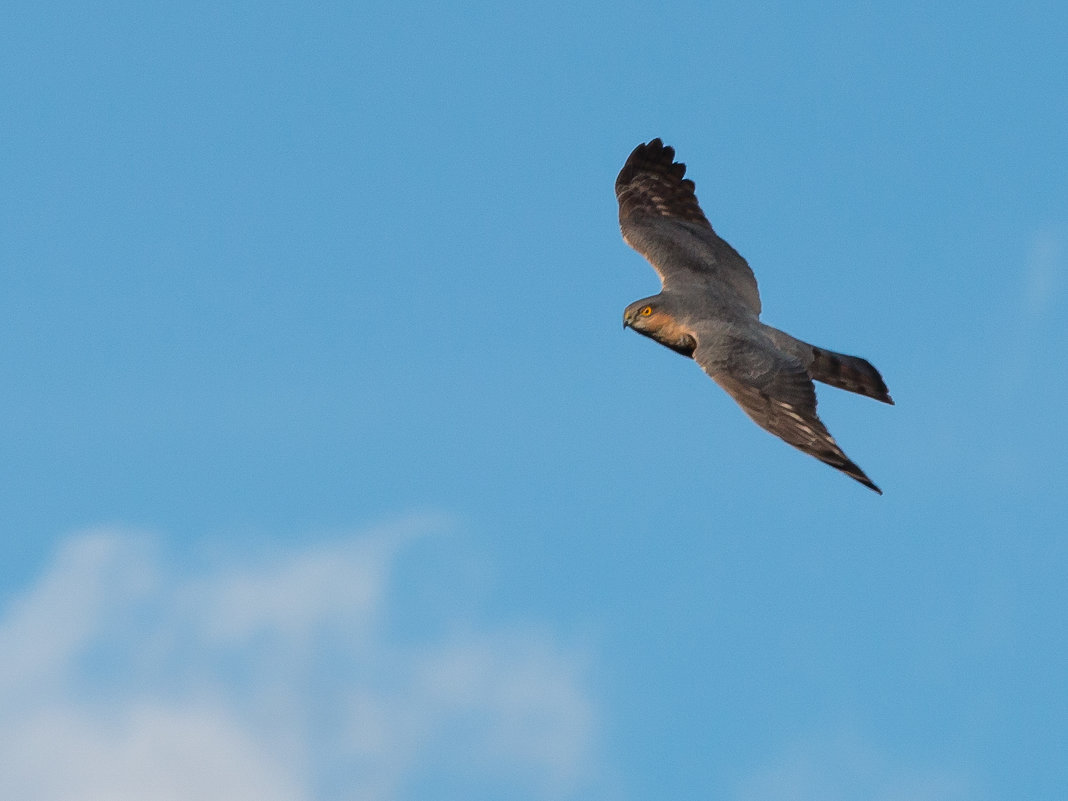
(330,474)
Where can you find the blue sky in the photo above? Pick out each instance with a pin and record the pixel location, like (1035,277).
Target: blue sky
(330,474)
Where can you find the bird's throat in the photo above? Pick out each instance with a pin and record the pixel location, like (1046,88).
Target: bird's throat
(672,337)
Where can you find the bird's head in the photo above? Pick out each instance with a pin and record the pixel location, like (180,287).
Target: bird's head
(655,318)
(644,316)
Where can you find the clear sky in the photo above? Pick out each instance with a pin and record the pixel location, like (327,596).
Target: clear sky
(329,473)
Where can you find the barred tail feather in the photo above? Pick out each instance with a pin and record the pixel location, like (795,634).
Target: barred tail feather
(850,373)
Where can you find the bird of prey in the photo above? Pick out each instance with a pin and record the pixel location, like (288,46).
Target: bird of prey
(709,310)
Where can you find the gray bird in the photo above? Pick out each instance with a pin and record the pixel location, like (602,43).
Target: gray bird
(709,310)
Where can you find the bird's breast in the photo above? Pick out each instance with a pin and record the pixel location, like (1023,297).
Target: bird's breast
(669,333)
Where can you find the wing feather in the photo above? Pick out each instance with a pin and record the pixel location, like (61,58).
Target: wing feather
(660,218)
(777,394)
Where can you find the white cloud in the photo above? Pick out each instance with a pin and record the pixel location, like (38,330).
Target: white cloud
(279,678)
(42,631)
(1045,270)
(140,752)
(844,766)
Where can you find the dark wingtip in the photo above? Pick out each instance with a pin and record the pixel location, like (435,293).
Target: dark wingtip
(651,153)
(656,146)
(841,462)
(858,474)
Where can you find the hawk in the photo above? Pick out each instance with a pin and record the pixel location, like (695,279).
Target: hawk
(709,310)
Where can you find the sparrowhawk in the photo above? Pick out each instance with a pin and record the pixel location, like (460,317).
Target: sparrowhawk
(709,310)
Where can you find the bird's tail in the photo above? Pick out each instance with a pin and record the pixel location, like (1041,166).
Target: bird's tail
(850,373)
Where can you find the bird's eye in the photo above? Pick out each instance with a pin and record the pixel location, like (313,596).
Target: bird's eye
(646,311)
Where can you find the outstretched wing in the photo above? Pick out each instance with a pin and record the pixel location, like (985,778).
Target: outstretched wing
(661,219)
(777,393)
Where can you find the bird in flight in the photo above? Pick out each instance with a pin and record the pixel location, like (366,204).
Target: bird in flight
(709,310)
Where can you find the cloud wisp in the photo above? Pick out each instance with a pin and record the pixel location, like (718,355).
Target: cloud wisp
(842,765)
(1044,271)
(282,679)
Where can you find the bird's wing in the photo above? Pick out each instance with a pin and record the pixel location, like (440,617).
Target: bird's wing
(777,393)
(661,219)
